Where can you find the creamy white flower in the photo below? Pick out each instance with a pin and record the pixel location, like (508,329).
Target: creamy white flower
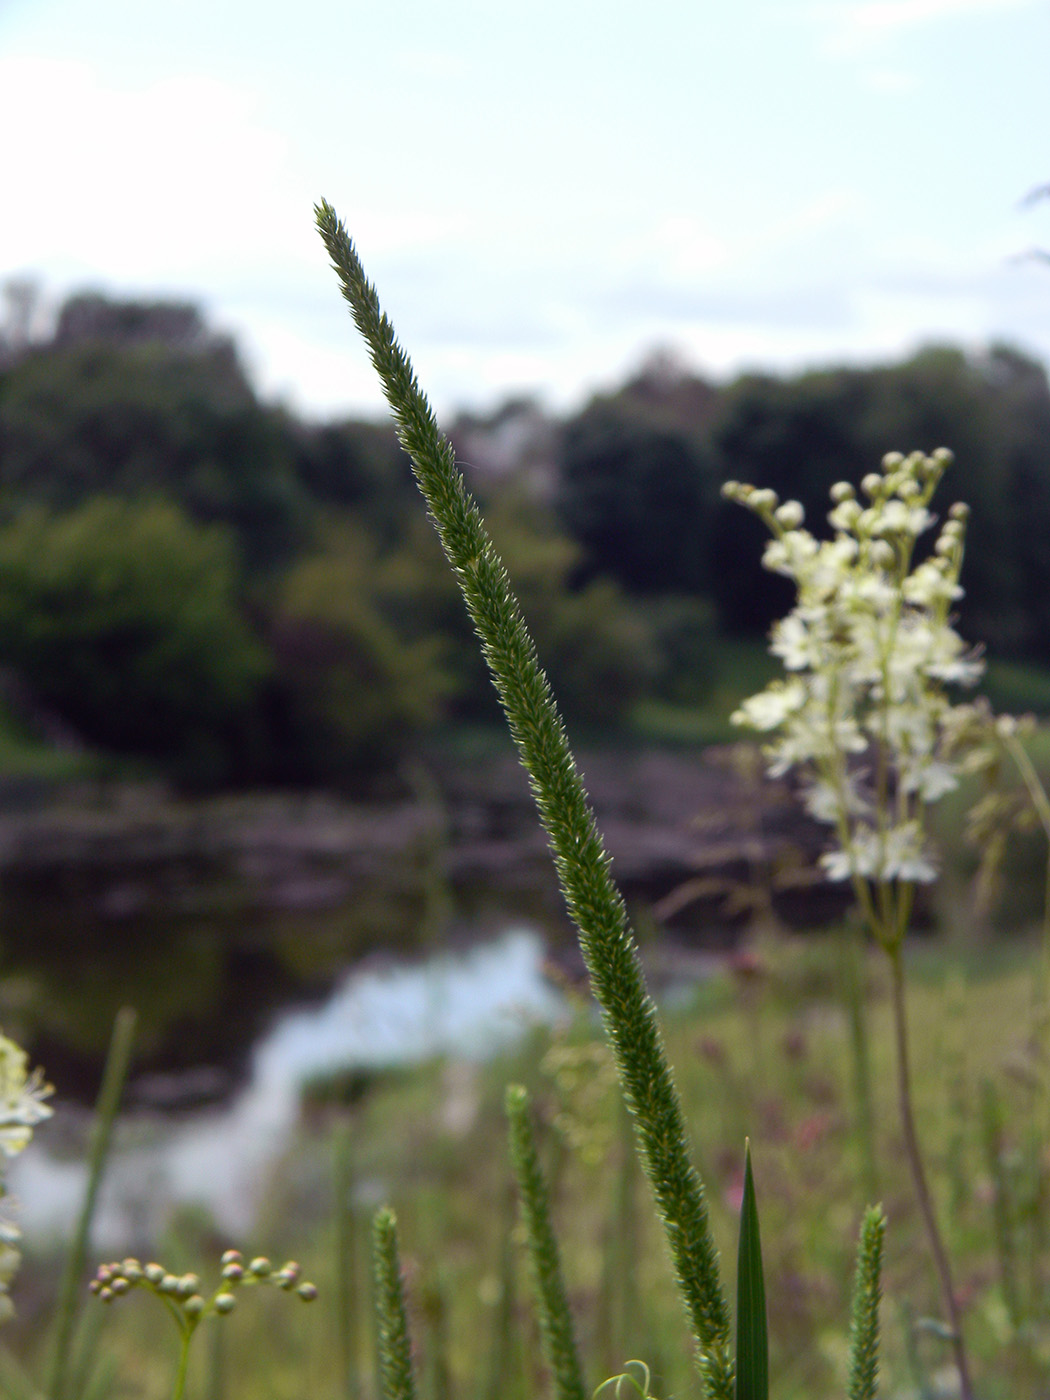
(772,706)
(869,648)
(21,1098)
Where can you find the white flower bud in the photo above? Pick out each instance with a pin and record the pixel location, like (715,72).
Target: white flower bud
(764,500)
(842,491)
(891,461)
(790,515)
(872,485)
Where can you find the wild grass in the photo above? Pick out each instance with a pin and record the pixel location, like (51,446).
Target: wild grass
(767,1055)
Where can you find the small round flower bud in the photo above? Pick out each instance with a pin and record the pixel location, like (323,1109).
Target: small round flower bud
(842,491)
(891,461)
(194,1305)
(225,1302)
(189,1283)
(105,1295)
(944,456)
(790,515)
(765,499)
(872,485)
(120,1285)
(283,1280)
(233,1273)
(154,1272)
(168,1284)
(291,1269)
(232,1256)
(132,1269)
(105,1273)
(960,511)
(95,1286)
(260,1267)
(883,555)
(731,490)
(307,1292)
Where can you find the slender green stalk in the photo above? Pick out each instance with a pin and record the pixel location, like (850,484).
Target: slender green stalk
(178,1390)
(992,1142)
(552,1303)
(115,1073)
(591,895)
(918,1173)
(394,1348)
(853,976)
(867,1292)
(345,1300)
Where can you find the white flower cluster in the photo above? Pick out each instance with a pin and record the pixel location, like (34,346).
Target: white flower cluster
(868,648)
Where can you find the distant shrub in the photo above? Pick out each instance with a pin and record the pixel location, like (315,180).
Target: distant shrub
(121,618)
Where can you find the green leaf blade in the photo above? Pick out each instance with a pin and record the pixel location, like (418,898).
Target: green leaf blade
(752,1333)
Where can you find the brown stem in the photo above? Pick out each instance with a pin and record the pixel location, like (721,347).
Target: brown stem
(918,1171)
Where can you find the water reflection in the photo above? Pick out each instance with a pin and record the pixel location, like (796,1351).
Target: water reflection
(469,1005)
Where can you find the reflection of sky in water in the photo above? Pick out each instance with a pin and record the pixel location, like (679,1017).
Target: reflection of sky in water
(468,1005)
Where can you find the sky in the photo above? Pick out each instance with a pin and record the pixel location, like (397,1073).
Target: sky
(544,193)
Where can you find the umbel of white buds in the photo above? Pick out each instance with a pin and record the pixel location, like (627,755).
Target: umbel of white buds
(184,1291)
(863,714)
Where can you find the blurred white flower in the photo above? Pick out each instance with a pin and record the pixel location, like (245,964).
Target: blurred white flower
(869,648)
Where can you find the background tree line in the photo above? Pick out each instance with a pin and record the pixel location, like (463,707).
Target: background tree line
(200,580)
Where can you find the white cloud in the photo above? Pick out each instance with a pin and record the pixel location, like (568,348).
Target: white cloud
(852,29)
(155,183)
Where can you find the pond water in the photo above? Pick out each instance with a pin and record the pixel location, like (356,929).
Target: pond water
(469,1005)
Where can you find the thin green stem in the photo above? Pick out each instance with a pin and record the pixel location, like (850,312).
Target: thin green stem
(115,1073)
(918,1173)
(179,1388)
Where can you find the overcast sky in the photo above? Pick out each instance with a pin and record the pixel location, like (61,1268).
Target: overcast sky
(542,192)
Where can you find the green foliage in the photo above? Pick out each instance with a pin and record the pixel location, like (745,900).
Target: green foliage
(552,1303)
(798,436)
(355,692)
(122,619)
(639,495)
(98,412)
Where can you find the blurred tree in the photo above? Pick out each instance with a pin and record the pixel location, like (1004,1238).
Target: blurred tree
(595,644)
(138,399)
(638,496)
(801,435)
(350,692)
(121,618)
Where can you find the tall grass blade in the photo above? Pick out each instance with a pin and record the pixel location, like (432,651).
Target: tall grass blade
(393,1345)
(867,1292)
(592,898)
(752,1328)
(114,1075)
(552,1304)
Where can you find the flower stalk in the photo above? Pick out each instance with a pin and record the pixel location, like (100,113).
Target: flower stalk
(864,717)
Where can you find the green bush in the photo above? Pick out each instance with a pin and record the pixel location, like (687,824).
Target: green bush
(121,619)
(355,690)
